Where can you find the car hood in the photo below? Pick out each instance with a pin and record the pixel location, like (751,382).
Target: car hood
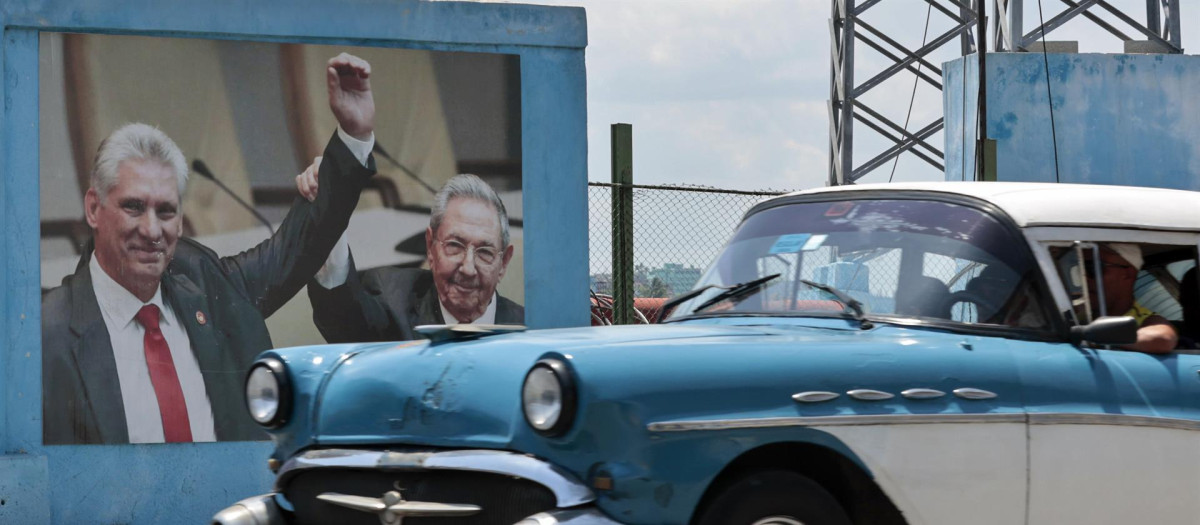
(467,393)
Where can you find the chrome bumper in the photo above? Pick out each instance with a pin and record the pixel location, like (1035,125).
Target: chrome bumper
(262,510)
(568,491)
(259,510)
(568,517)
(572,496)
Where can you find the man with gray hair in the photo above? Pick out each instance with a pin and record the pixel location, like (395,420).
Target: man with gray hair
(468,251)
(1119,266)
(150,339)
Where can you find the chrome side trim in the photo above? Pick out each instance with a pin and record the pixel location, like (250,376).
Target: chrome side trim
(259,510)
(569,517)
(975,394)
(568,491)
(922,393)
(866,394)
(829,421)
(1114,420)
(815,396)
(928,419)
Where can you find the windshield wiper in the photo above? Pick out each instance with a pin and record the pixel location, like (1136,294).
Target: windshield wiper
(736,290)
(850,303)
(670,305)
(733,291)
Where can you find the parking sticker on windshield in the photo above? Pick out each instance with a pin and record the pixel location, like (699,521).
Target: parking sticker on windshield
(790,243)
(814,242)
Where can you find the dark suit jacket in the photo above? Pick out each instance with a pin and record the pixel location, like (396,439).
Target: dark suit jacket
(81,395)
(385,304)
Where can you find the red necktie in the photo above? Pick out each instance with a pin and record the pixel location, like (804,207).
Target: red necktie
(171,406)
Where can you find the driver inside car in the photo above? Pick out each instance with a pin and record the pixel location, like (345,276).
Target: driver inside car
(1119,266)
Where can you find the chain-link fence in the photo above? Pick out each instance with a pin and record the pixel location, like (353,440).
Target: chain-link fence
(677,231)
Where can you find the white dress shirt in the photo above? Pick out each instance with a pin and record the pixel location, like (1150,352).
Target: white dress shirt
(142,417)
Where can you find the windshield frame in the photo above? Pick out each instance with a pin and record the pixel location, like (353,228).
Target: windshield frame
(1057,331)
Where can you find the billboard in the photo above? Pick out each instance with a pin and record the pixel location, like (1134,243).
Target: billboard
(205,200)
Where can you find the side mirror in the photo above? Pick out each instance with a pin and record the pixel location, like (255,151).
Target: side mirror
(1107,331)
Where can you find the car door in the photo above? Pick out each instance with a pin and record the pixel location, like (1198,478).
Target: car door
(1114,435)
(950,420)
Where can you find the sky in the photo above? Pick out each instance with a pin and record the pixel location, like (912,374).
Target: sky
(733,93)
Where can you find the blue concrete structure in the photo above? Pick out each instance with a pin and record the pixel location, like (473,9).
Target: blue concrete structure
(1119,119)
(187,483)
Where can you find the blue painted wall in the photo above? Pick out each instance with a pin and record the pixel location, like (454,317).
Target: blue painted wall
(187,483)
(960,113)
(1119,119)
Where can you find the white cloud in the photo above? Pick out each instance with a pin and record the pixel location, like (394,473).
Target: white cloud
(734,93)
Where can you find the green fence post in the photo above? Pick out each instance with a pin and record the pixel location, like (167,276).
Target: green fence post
(622,218)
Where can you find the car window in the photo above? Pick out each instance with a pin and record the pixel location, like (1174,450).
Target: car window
(962,277)
(1156,288)
(906,258)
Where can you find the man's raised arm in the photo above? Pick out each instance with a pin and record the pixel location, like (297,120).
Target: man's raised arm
(272,272)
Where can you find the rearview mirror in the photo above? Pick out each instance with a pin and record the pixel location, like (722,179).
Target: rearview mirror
(1107,331)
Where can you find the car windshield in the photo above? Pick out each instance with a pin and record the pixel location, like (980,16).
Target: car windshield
(900,257)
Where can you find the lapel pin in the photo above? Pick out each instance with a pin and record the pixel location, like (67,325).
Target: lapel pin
(200,317)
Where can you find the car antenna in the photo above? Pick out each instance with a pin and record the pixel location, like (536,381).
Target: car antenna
(1049,98)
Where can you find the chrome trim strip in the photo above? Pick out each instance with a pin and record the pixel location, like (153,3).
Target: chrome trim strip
(568,491)
(815,396)
(830,421)
(974,394)
(1114,420)
(866,394)
(928,419)
(922,393)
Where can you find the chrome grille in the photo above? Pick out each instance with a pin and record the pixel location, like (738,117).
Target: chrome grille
(504,499)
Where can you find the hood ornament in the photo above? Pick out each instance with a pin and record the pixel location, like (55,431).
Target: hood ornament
(458,332)
(392,508)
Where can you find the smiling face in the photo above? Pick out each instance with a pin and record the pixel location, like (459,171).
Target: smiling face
(466,257)
(136,225)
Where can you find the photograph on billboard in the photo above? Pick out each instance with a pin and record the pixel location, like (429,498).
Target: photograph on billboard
(202,201)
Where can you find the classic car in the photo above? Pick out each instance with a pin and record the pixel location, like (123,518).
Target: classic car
(931,353)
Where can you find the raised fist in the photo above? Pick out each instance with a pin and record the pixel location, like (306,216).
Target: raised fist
(348,78)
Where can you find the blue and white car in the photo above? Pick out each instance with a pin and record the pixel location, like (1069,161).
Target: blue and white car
(902,353)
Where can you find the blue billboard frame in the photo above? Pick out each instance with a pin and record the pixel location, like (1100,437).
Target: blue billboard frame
(189,482)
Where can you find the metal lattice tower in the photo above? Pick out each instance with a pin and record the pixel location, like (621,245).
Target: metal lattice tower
(1161,27)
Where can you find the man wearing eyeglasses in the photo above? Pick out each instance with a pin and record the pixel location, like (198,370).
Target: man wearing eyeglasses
(468,249)
(1120,263)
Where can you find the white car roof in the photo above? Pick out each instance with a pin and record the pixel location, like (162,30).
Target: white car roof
(1050,204)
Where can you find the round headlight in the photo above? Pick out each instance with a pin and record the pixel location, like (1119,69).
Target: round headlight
(267,394)
(548,397)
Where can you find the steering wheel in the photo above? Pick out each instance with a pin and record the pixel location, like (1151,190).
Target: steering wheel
(983,307)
